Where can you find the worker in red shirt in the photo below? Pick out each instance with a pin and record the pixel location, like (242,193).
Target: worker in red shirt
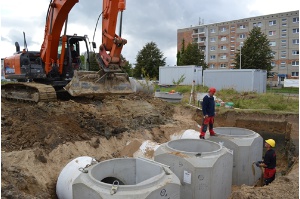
(269,162)
(208,109)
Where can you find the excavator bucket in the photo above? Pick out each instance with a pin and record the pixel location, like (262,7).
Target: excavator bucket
(93,84)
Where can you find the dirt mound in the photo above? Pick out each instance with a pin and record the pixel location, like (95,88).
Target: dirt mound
(46,125)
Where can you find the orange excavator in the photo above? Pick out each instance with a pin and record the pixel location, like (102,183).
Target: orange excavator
(41,75)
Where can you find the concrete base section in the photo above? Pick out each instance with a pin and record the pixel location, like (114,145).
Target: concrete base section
(247,147)
(120,178)
(169,97)
(203,167)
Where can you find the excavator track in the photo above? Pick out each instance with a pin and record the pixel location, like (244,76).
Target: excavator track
(28,91)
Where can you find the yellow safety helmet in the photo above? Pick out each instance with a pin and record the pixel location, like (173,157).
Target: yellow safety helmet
(271,142)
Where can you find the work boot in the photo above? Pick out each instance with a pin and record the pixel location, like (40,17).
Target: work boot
(212,133)
(201,137)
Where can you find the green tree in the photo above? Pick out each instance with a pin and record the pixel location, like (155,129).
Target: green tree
(192,56)
(256,52)
(181,52)
(149,59)
(127,67)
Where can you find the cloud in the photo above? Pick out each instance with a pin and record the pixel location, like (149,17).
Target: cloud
(144,21)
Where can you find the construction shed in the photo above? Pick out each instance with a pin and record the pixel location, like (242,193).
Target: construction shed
(170,74)
(241,80)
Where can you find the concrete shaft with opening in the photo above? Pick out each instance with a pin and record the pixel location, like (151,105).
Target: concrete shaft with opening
(203,167)
(247,147)
(120,178)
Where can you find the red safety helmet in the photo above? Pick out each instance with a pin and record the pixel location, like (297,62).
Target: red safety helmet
(212,90)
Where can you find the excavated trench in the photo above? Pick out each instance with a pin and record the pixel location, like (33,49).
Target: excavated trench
(38,140)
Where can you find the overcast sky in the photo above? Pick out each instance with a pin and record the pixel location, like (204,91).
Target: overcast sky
(143,21)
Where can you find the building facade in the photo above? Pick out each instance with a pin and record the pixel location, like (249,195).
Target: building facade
(221,41)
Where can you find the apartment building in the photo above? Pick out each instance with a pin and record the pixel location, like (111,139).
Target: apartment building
(221,41)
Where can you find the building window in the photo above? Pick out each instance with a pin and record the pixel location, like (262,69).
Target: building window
(201,30)
(283,52)
(242,26)
(295,63)
(282,66)
(272,23)
(212,48)
(212,30)
(283,20)
(223,47)
(296,30)
(223,65)
(273,64)
(283,45)
(272,53)
(295,41)
(284,30)
(272,32)
(283,56)
(242,36)
(295,74)
(254,24)
(213,39)
(212,65)
(296,20)
(283,63)
(223,29)
(259,24)
(295,52)
(223,57)
(223,38)
(283,35)
(212,57)
(283,41)
(272,43)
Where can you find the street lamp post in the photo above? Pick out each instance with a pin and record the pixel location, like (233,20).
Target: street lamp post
(241,45)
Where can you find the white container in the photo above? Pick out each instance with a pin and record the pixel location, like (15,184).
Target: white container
(168,74)
(247,147)
(121,178)
(241,80)
(203,167)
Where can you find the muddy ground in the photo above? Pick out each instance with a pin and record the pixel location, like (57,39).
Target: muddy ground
(38,140)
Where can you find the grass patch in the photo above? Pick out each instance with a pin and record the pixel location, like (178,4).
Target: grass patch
(291,90)
(246,100)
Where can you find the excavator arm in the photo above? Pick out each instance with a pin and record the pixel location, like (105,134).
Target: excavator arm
(56,17)
(111,42)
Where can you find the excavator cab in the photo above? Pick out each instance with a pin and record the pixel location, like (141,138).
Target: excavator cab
(75,48)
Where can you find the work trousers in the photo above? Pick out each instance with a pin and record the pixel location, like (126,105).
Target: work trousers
(209,121)
(269,175)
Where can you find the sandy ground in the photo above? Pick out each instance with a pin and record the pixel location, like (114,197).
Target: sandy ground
(38,140)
